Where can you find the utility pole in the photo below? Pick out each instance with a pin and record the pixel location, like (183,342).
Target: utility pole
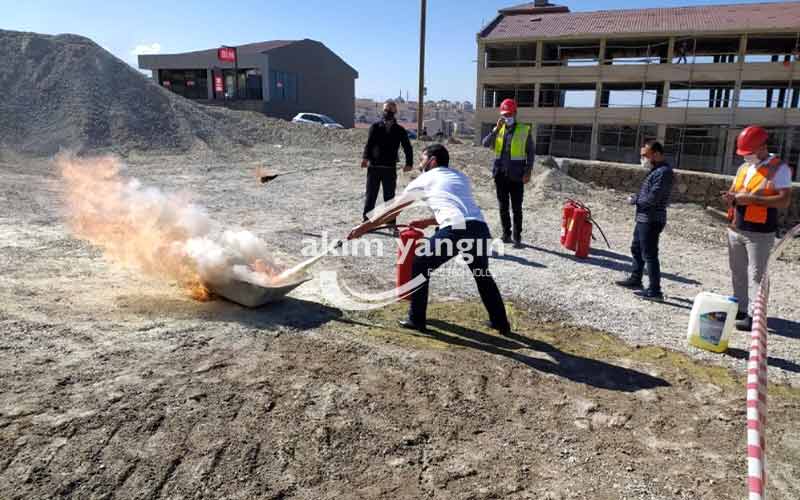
(420,105)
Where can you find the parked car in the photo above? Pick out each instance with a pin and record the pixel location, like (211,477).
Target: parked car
(316,119)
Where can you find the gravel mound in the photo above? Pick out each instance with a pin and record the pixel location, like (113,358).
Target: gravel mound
(65,91)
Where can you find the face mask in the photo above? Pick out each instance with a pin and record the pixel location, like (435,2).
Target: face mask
(646,163)
(388,115)
(752,159)
(509,120)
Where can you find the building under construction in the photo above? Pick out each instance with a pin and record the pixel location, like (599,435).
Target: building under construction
(598,84)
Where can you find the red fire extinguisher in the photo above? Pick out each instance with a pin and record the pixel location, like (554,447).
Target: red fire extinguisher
(566,219)
(576,228)
(409,239)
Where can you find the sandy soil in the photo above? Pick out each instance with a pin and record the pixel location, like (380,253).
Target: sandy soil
(117,385)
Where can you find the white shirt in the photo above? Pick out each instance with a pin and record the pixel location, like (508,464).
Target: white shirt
(448,193)
(782,179)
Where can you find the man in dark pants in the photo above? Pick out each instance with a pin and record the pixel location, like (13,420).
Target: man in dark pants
(462,229)
(381,155)
(513,146)
(651,217)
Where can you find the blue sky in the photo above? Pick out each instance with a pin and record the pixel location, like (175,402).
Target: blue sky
(379,38)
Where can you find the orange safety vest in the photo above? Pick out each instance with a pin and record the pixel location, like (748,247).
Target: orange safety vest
(761,183)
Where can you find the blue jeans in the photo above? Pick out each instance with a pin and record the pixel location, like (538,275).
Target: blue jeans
(479,238)
(644,249)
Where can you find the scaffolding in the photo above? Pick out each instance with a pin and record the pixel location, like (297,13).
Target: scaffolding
(688,52)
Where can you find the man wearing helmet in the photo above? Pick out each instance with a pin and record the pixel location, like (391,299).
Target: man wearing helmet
(513,146)
(763,185)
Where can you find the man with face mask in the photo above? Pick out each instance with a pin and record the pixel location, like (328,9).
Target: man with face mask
(462,229)
(514,155)
(762,185)
(651,217)
(381,156)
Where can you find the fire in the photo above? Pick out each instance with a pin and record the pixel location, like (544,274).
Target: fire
(161,234)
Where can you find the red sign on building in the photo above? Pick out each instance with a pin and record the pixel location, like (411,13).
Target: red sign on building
(218,84)
(227,54)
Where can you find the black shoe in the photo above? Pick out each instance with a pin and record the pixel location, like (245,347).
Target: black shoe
(650,295)
(506,330)
(745,324)
(740,316)
(506,239)
(518,243)
(631,282)
(409,325)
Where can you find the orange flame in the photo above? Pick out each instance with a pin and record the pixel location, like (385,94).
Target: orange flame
(164,235)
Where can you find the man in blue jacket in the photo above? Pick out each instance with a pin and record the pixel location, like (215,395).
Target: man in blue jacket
(651,217)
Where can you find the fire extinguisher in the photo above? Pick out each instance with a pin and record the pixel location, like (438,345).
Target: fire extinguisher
(409,239)
(577,235)
(566,219)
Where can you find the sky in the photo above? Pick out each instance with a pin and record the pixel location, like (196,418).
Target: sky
(379,38)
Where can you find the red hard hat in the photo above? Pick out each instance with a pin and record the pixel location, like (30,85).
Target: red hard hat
(751,138)
(508,106)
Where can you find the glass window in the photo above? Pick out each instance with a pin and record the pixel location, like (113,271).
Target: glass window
(283,86)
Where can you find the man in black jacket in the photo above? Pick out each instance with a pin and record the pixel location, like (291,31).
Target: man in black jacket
(651,217)
(381,156)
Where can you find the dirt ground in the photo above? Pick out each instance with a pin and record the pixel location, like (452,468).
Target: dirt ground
(117,385)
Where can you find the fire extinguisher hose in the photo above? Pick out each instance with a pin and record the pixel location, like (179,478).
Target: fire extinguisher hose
(590,219)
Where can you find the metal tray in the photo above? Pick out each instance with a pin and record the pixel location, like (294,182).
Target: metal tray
(250,295)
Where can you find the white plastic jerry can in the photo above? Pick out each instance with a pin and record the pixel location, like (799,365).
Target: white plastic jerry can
(712,321)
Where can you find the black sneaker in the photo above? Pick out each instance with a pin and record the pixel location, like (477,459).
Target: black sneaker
(506,239)
(650,295)
(506,330)
(740,316)
(745,324)
(631,282)
(409,325)
(518,243)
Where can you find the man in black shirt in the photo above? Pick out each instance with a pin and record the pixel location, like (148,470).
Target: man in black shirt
(381,156)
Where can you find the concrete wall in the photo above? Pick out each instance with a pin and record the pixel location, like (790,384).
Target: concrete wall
(326,83)
(689,187)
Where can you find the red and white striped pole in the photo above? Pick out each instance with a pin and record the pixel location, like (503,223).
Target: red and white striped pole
(757,383)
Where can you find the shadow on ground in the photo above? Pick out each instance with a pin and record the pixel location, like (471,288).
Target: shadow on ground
(783,364)
(575,368)
(289,312)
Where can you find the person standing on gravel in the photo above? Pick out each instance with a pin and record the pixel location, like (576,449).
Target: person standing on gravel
(651,217)
(462,230)
(514,155)
(381,156)
(762,185)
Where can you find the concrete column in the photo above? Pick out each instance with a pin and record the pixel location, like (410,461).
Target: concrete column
(598,95)
(154,73)
(478,91)
(537,89)
(593,149)
(722,147)
(671,50)
(539,52)
(737,88)
(728,167)
(601,55)
(661,133)
(665,95)
(210,84)
(742,47)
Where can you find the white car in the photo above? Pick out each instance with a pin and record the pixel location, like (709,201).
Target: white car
(317,119)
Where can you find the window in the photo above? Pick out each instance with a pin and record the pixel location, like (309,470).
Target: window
(282,86)
(190,83)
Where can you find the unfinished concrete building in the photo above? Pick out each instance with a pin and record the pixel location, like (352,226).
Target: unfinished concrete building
(598,84)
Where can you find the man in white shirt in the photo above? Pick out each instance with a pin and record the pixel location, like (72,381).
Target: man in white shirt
(462,229)
(762,185)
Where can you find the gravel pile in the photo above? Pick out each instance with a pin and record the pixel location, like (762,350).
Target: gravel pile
(65,91)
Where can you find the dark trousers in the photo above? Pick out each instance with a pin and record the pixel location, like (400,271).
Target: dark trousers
(478,234)
(644,249)
(513,191)
(377,177)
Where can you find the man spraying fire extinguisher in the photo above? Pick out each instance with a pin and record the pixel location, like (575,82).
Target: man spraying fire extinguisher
(651,217)
(762,185)
(514,154)
(462,230)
